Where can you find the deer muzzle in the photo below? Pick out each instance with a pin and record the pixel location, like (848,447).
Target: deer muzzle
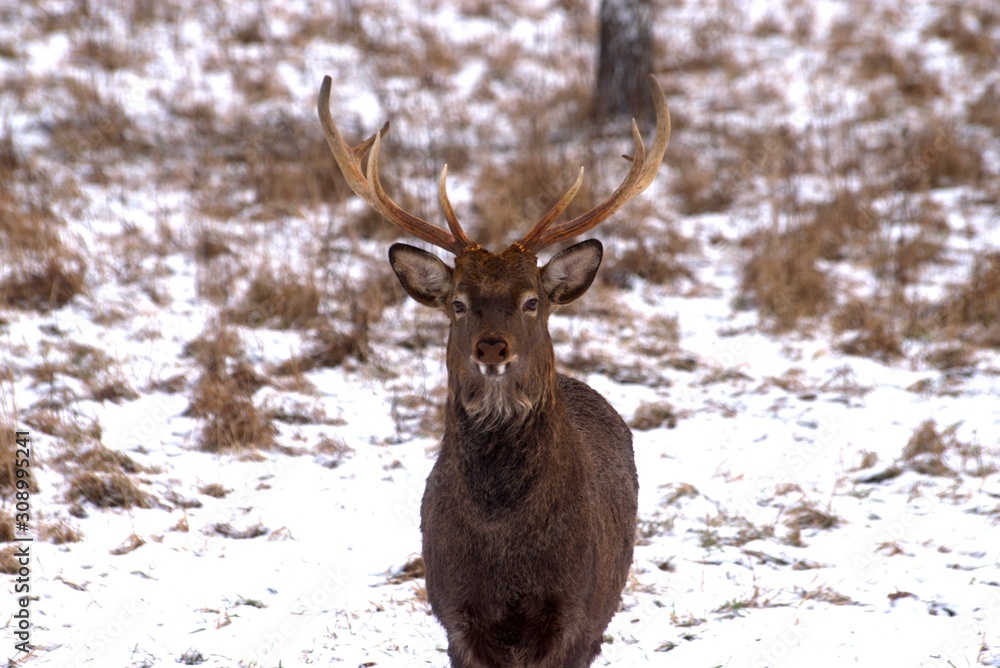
(492,354)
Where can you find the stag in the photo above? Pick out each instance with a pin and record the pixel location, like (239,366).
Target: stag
(528,516)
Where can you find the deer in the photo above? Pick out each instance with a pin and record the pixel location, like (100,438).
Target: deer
(529,514)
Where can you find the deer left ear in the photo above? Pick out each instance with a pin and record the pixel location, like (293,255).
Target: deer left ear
(424,277)
(569,274)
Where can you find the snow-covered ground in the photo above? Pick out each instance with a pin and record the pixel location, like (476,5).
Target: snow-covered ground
(788,514)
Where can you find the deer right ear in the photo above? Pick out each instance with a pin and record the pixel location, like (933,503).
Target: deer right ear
(424,276)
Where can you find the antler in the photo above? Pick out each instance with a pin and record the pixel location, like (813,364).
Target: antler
(641,174)
(367,186)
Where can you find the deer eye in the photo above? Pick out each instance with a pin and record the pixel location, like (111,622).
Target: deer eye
(531,305)
(458,305)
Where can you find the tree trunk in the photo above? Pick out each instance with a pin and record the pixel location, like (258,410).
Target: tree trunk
(624,61)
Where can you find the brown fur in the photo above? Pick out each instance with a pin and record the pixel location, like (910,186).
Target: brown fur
(529,513)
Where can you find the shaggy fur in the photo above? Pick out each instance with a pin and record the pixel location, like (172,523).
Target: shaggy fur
(529,513)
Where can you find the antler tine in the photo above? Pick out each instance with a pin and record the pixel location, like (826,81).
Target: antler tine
(367,185)
(640,175)
(449,213)
(535,235)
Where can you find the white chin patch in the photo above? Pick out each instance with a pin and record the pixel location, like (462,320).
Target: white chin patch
(492,370)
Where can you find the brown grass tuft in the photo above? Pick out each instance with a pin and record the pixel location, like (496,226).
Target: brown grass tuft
(9,459)
(924,452)
(951,357)
(48,285)
(939,154)
(978,300)
(280,161)
(96,123)
(106,490)
(514,193)
(107,55)
(846,221)
(224,395)
(956,24)
(807,516)
(59,532)
(278,299)
(782,280)
(985,109)
(913,82)
(877,337)
(650,258)
(100,458)
(331,451)
(653,416)
(7,534)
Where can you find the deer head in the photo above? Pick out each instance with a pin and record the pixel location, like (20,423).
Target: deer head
(500,357)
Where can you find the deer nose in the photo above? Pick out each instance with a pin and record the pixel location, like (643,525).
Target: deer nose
(492,350)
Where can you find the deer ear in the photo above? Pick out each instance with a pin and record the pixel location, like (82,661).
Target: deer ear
(424,277)
(569,274)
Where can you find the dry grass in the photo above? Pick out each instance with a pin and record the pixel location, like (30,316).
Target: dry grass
(925,451)
(9,460)
(841,226)
(958,24)
(915,84)
(106,490)
(94,125)
(654,416)
(939,154)
(7,534)
(807,515)
(877,339)
(278,299)
(975,304)
(49,284)
(223,395)
(332,451)
(107,55)
(514,193)
(59,532)
(985,109)
(272,166)
(38,270)
(782,279)
(650,257)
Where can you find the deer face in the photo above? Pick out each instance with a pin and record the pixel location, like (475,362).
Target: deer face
(499,307)
(499,351)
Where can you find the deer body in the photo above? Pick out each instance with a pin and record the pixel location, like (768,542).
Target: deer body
(526,552)
(528,517)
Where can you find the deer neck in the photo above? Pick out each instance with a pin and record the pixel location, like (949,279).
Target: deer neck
(502,461)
